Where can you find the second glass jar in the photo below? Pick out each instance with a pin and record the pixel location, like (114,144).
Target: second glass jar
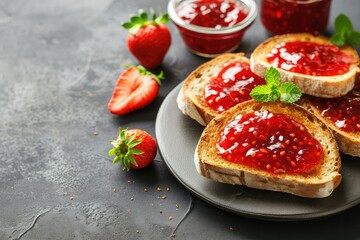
(291,16)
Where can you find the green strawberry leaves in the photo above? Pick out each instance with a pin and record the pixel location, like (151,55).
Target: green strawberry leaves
(158,78)
(275,90)
(142,19)
(124,149)
(344,32)
(145,72)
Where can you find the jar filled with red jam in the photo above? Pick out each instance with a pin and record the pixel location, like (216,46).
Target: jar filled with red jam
(212,27)
(292,16)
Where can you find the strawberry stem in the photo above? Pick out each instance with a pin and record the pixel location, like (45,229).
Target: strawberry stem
(158,78)
(124,149)
(138,21)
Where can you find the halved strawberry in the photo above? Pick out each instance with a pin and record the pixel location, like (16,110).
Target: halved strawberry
(135,148)
(136,88)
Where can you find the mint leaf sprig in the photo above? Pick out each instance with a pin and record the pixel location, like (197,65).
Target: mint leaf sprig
(274,90)
(344,32)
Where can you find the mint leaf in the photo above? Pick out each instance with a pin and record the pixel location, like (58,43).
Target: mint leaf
(344,32)
(343,22)
(275,90)
(338,39)
(272,76)
(289,92)
(353,39)
(262,93)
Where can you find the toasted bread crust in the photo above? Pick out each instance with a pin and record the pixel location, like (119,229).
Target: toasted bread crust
(348,142)
(318,183)
(191,97)
(321,86)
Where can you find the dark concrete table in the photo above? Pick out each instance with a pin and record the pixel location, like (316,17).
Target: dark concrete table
(59,61)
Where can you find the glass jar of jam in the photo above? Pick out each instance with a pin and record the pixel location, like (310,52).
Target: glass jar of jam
(293,16)
(211,27)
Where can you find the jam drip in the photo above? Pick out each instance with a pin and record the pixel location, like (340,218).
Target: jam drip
(231,86)
(310,58)
(212,13)
(271,142)
(344,112)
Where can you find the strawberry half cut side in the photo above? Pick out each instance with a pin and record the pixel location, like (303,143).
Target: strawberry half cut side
(135,89)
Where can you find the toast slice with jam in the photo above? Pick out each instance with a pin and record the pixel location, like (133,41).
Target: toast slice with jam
(271,146)
(342,116)
(216,86)
(313,63)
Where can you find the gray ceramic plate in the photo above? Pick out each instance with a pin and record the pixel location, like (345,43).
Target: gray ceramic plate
(177,136)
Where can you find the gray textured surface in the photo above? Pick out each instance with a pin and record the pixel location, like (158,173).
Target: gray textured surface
(59,61)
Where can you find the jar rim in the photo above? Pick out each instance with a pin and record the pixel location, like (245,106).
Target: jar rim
(249,4)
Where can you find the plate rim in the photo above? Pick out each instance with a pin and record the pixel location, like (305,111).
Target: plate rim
(265,216)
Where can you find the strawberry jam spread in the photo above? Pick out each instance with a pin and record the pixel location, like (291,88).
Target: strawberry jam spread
(212,13)
(343,111)
(270,142)
(231,86)
(310,58)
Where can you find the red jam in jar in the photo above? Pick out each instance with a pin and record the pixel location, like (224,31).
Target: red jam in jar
(291,16)
(344,112)
(310,58)
(211,27)
(270,142)
(231,86)
(212,13)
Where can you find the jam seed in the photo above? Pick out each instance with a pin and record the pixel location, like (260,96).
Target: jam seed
(264,150)
(293,163)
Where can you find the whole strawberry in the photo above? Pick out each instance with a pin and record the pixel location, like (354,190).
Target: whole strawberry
(135,148)
(148,39)
(135,89)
